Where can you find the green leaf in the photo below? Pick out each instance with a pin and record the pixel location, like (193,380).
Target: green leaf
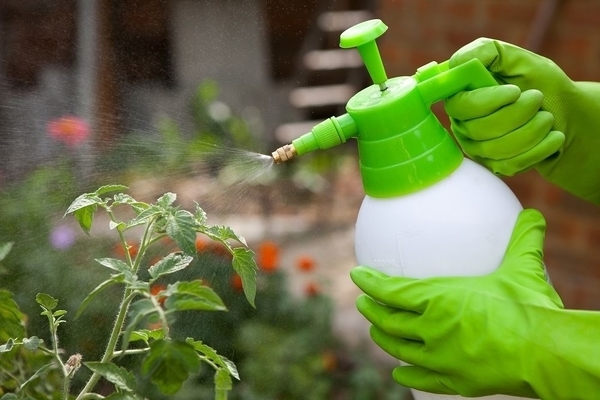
(200,215)
(181,227)
(85,217)
(11,317)
(83,209)
(146,335)
(192,296)
(118,376)
(92,295)
(169,363)
(166,200)
(84,201)
(5,248)
(32,343)
(244,264)
(116,225)
(39,373)
(110,188)
(145,215)
(120,266)
(137,312)
(46,301)
(225,233)
(172,263)
(8,346)
(9,396)
(211,354)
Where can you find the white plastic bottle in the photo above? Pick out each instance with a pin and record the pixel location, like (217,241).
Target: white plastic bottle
(459,226)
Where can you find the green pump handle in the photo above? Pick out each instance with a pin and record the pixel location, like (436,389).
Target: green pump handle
(402,145)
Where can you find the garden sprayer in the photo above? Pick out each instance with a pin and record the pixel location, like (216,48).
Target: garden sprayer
(428,211)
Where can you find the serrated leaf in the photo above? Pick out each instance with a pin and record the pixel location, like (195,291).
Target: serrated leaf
(200,215)
(39,373)
(145,215)
(5,248)
(171,263)
(32,343)
(46,301)
(137,312)
(84,201)
(192,296)
(110,188)
(120,266)
(147,334)
(166,200)
(181,227)
(118,376)
(212,355)
(245,266)
(11,317)
(225,233)
(169,363)
(93,295)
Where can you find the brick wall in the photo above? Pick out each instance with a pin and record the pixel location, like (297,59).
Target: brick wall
(424,30)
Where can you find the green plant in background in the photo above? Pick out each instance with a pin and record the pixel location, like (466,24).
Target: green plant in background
(167,361)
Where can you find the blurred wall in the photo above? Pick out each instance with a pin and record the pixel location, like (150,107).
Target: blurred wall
(423,31)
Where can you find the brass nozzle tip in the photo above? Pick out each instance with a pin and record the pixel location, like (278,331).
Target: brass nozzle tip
(284,153)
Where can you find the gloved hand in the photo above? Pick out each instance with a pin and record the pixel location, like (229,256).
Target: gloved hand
(503,333)
(537,118)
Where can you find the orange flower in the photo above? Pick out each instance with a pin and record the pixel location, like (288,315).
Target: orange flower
(268,256)
(329,361)
(155,290)
(312,289)
(236,283)
(120,251)
(201,244)
(305,263)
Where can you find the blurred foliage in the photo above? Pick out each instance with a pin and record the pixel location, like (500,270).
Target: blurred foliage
(285,348)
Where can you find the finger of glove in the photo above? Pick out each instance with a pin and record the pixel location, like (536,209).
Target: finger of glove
(511,144)
(409,351)
(480,102)
(505,120)
(394,321)
(393,291)
(508,63)
(550,145)
(422,379)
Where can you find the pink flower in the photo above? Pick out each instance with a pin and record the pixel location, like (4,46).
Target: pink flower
(69,129)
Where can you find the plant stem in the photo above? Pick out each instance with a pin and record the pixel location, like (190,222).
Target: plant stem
(131,352)
(128,296)
(109,353)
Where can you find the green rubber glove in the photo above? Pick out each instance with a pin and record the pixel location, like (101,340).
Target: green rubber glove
(503,333)
(537,118)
